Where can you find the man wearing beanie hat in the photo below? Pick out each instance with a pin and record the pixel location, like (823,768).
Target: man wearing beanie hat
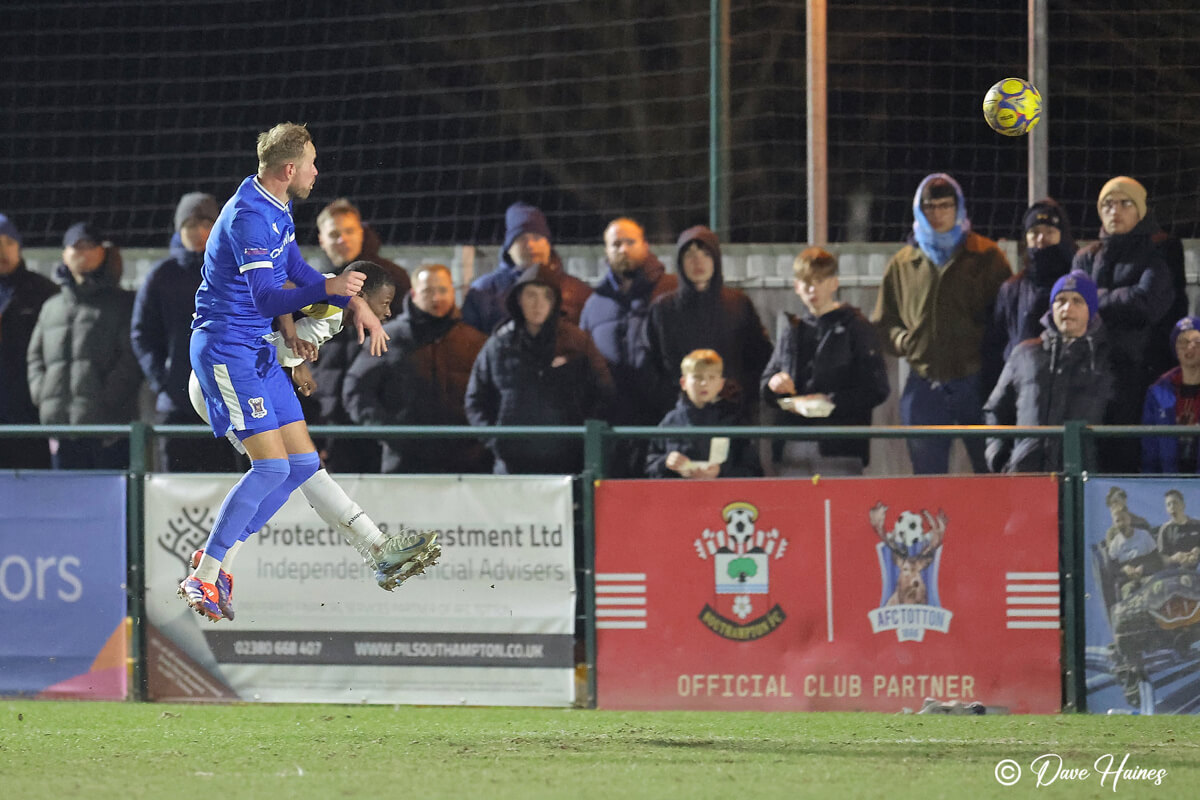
(527,245)
(1136,293)
(22,294)
(82,370)
(1062,375)
(162,331)
(1025,297)
(1174,399)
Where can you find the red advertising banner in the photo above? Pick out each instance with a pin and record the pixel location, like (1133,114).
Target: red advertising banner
(838,595)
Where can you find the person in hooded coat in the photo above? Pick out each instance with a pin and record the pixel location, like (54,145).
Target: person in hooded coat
(1024,298)
(704,314)
(1062,375)
(934,305)
(537,369)
(82,370)
(527,245)
(161,334)
(421,379)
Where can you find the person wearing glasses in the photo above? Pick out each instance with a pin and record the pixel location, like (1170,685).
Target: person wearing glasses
(1136,292)
(934,304)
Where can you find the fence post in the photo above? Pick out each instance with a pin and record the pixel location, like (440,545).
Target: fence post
(593,471)
(1071,567)
(135,577)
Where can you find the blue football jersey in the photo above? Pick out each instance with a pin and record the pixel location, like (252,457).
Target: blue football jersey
(254,231)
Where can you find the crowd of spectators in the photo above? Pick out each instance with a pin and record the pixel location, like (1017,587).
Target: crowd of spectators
(1098,334)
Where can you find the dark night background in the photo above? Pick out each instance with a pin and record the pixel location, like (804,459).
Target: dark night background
(434,116)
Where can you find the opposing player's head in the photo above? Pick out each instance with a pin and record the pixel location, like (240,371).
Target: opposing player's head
(286,152)
(378,287)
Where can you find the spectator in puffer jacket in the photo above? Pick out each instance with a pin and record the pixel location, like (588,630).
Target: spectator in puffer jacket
(615,316)
(162,331)
(1025,297)
(527,245)
(1136,292)
(537,369)
(700,405)
(1174,399)
(421,379)
(22,294)
(1063,375)
(82,370)
(827,369)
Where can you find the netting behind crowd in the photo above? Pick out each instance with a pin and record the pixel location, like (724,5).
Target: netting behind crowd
(435,116)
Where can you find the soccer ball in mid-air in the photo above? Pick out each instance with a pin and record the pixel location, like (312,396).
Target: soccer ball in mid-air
(1012,107)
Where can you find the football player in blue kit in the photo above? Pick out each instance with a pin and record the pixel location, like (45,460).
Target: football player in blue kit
(251,254)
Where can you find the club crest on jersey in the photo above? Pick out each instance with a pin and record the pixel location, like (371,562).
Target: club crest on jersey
(258,409)
(741,557)
(909,556)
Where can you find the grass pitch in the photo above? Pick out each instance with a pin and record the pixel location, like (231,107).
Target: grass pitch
(127,750)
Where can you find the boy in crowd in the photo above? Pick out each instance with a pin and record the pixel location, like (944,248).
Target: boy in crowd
(700,405)
(1174,399)
(827,369)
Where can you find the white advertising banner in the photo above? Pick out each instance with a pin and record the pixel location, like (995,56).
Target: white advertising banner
(491,624)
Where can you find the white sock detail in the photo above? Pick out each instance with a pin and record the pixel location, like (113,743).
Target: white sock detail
(207,569)
(333,505)
(230,555)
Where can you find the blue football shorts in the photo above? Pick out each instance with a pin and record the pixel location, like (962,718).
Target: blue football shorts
(245,389)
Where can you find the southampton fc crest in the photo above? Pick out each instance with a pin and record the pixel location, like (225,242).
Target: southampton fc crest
(909,557)
(741,559)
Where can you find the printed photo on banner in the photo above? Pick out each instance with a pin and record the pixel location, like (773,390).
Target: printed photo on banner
(1142,607)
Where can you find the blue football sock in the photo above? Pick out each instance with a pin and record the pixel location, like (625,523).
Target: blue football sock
(243,500)
(302,467)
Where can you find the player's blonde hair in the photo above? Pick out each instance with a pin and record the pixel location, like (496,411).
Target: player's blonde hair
(694,361)
(283,143)
(814,264)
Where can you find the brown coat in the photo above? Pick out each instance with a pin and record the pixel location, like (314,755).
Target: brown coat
(935,318)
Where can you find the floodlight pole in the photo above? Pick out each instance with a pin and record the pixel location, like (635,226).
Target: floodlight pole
(1039,74)
(816,133)
(718,118)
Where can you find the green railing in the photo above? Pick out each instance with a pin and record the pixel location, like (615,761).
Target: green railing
(597,435)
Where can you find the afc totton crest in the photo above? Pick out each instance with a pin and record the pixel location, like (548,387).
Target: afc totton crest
(741,557)
(258,409)
(909,556)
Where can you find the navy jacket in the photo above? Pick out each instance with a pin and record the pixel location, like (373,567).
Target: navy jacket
(22,294)
(162,328)
(743,457)
(1161,453)
(557,377)
(616,321)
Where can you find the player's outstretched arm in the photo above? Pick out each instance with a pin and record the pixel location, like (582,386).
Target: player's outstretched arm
(366,323)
